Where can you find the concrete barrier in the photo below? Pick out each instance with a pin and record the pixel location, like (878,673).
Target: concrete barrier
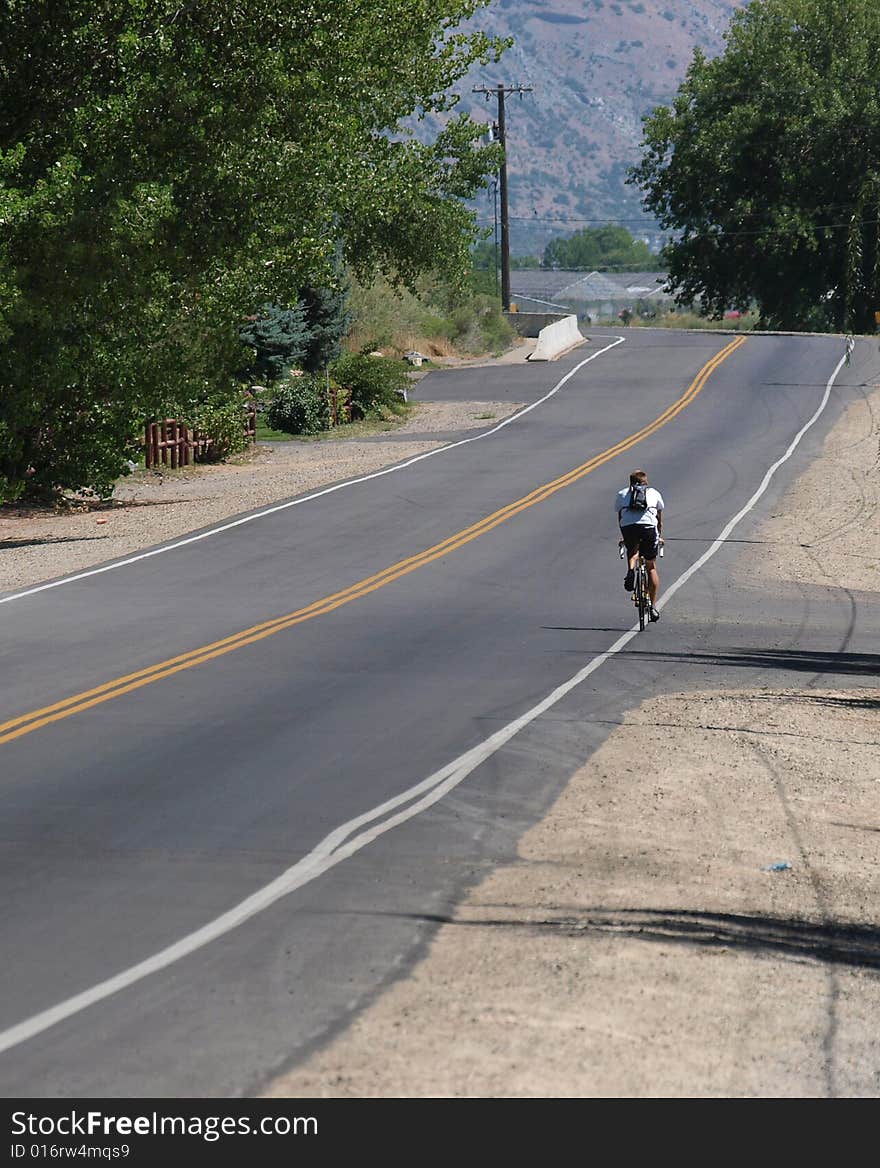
(557,338)
(529,324)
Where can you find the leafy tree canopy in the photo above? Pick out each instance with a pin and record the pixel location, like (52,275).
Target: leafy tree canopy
(767,167)
(485,257)
(167,166)
(599,247)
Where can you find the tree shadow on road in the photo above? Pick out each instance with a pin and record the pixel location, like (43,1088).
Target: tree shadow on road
(849,945)
(796,660)
(8,544)
(836,701)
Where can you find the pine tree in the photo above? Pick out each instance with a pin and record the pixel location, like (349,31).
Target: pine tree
(279,338)
(328,317)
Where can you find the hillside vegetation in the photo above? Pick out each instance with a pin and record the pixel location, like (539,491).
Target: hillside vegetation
(437,319)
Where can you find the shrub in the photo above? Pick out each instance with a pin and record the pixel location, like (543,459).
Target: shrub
(300,405)
(480,325)
(375,383)
(438,319)
(383,316)
(498,332)
(338,402)
(224,421)
(435,326)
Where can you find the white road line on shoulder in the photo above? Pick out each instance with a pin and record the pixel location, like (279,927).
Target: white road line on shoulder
(765,482)
(158,551)
(343,842)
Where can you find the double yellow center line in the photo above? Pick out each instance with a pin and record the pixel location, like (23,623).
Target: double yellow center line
(26,723)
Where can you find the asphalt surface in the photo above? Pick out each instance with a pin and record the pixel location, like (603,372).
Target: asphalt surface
(136,821)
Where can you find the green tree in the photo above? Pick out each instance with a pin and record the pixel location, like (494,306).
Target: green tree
(599,247)
(167,166)
(279,338)
(485,255)
(767,168)
(307,336)
(328,317)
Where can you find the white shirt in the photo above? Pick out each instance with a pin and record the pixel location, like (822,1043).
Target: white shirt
(646,518)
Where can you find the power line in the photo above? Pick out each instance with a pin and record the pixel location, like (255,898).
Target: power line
(598,268)
(728,234)
(567,219)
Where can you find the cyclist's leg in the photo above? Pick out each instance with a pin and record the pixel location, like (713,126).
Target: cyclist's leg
(631,540)
(653,580)
(650,550)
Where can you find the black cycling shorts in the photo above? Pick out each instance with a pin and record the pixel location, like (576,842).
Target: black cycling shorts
(643,537)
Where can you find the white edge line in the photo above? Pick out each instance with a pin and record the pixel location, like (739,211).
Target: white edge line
(315,494)
(765,482)
(333,849)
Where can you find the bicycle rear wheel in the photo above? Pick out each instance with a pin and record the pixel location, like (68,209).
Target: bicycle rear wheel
(642,595)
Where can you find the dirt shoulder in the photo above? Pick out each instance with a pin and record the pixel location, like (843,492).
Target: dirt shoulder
(704,928)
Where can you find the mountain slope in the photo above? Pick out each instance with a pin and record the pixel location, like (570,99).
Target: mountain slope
(595,69)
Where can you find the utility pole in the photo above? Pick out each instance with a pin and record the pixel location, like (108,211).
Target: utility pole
(500,91)
(495,236)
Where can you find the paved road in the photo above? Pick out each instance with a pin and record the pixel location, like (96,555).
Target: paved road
(180,783)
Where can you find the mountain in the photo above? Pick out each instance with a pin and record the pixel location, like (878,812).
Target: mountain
(595,68)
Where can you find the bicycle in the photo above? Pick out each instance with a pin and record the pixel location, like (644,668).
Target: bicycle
(641,599)
(641,596)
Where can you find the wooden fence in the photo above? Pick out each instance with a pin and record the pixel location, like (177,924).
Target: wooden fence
(173,443)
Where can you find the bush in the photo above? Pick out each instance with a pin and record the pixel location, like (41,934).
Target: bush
(384,317)
(439,319)
(338,402)
(375,383)
(224,421)
(686,319)
(300,405)
(481,325)
(435,326)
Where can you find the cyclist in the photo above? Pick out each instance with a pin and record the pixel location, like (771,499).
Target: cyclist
(639,510)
